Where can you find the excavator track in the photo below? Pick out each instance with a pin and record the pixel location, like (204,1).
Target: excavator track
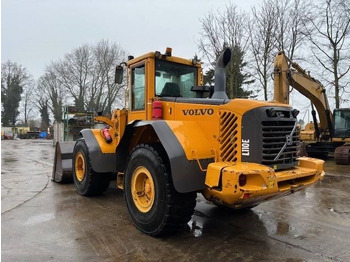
(342,155)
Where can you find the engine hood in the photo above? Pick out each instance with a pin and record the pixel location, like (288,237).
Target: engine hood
(241,106)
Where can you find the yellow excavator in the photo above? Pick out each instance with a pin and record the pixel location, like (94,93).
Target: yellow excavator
(332,131)
(172,141)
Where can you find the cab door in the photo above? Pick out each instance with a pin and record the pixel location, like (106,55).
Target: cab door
(138,94)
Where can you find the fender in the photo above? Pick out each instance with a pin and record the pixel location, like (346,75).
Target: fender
(185,172)
(100,162)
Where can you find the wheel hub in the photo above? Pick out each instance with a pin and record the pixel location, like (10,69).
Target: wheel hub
(142,188)
(80,166)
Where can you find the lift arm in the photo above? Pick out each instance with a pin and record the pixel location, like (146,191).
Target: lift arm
(288,73)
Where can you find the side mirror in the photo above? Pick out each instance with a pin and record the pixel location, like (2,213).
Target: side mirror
(119,72)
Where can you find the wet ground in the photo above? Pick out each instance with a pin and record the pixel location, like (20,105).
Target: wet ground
(46,221)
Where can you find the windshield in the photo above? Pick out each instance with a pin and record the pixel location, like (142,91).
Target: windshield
(342,123)
(175,80)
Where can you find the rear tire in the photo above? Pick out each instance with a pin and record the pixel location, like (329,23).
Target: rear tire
(153,203)
(86,180)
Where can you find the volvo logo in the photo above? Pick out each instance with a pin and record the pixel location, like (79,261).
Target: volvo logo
(198,111)
(289,140)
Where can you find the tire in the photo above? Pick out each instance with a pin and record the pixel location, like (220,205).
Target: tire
(157,208)
(86,180)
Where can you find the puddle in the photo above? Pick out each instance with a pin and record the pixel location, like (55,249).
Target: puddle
(332,179)
(40,218)
(282,228)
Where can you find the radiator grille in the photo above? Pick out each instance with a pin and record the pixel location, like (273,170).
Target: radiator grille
(228,136)
(274,137)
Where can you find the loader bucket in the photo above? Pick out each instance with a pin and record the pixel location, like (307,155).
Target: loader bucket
(62,168)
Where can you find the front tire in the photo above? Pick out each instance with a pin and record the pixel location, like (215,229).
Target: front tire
(86,180)
(153,203)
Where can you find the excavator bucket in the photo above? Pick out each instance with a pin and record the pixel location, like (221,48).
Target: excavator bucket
(342,155)
(62,168)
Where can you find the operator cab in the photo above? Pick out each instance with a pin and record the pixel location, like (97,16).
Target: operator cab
(155,76)
(342,123)
(163,77)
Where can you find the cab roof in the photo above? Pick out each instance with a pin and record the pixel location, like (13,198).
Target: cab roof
(158,55)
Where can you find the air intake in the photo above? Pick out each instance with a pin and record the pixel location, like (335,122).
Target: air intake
(220,74)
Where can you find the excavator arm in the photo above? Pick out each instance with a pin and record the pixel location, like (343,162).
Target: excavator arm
(288,73)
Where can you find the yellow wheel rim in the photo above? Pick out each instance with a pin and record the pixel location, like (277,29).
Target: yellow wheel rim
(80,166)
(142,189)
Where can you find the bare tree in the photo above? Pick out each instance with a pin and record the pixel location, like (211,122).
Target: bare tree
(262,33)
(42,104)
(227,29)
(329,35)
(87,73)
(14,78)
(28,102)
(106,56)
(51,87)
(291,17)
(74,72)
(222,29)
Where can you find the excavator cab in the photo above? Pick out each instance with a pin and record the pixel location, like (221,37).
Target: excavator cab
(342,123)
(342,134)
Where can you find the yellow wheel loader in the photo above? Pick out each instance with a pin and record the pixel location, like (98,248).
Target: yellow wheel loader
(176,139)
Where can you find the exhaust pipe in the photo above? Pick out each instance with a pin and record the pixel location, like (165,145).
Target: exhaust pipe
(220,74)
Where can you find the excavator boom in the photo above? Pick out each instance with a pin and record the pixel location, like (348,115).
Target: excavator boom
(289,74)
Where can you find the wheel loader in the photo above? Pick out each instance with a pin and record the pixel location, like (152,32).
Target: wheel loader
(177,138)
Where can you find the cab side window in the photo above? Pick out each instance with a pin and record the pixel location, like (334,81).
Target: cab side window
(138,88)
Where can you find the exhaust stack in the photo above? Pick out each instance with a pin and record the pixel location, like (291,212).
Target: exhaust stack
(220,75)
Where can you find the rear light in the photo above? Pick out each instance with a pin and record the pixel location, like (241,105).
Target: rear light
(242,180)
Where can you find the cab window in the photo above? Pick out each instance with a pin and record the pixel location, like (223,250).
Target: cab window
(341,123)
(138,88)
(175,80)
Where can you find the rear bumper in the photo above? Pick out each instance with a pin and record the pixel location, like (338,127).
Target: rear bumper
(262,182)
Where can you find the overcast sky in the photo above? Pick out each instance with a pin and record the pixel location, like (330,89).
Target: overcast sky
(36,32)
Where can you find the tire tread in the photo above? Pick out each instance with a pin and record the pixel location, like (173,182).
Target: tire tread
(180,206)
(97,182)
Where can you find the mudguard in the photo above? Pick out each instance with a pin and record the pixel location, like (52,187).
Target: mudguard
(186,174)
(100,162)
